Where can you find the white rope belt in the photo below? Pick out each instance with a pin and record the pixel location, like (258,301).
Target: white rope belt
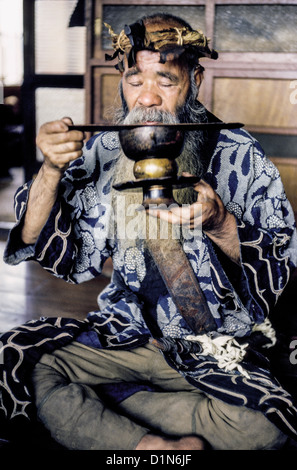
(227,351)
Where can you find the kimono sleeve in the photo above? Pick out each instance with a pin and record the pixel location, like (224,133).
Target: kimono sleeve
(251,188)
(66,245)
(267,235)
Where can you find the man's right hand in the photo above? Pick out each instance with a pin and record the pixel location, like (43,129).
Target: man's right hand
(59,145)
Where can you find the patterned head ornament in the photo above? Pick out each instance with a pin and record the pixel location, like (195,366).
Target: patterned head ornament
(171,43)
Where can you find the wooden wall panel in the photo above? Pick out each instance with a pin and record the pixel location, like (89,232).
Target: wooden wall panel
(255,102)
(288,171)
(110,96)
(105,97)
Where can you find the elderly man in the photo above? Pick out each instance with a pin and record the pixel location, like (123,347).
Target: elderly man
(135,374)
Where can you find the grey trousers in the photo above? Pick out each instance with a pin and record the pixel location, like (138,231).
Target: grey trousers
(78,419)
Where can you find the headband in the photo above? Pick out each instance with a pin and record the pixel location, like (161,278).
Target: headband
(171,43)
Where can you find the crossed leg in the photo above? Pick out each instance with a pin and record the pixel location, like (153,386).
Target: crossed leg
(178,416)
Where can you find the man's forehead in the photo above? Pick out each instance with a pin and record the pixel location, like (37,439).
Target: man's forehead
(146,59)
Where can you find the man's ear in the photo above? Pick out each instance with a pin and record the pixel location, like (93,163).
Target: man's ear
(198,75)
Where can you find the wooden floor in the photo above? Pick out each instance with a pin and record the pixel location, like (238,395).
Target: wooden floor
(28,292)
(8,188)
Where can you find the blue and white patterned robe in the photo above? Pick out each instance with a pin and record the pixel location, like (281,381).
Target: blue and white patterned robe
(75,243)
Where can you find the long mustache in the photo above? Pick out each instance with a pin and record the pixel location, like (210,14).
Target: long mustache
(142,114)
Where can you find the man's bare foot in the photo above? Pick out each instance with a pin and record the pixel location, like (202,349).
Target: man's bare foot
(153,442)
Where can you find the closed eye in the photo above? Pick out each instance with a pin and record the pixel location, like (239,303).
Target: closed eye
(168,79)
(166,84)
(132,83)
(132,77)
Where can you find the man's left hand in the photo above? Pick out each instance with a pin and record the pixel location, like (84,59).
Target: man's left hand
(210,214)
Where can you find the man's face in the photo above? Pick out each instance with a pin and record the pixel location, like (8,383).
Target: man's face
(150,84)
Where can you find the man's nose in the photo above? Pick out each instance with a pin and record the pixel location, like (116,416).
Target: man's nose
(149,98)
